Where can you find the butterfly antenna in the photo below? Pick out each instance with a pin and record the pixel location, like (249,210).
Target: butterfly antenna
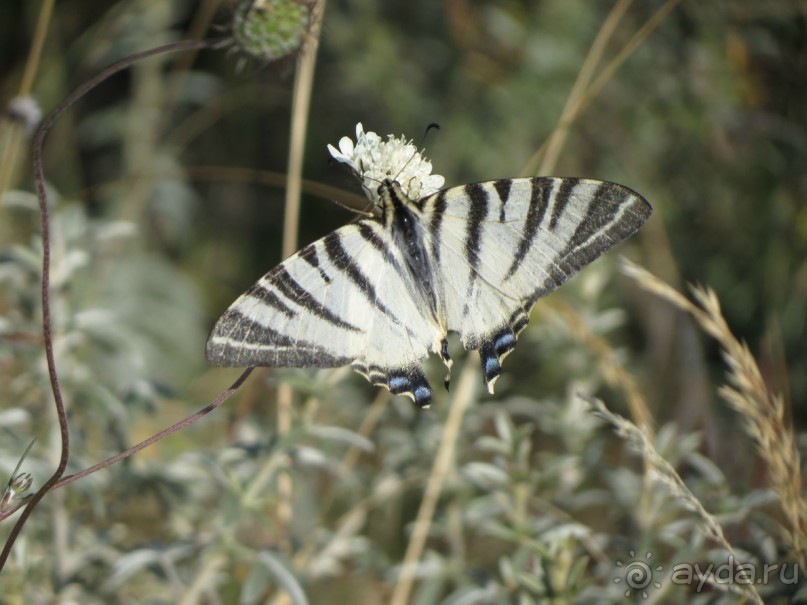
(420,148)
(429,128)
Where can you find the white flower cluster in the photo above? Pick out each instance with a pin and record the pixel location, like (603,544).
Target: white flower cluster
(374,160)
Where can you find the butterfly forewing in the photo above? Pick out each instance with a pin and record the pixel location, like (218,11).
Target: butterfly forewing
(501,245)
(487,252)
(342,300)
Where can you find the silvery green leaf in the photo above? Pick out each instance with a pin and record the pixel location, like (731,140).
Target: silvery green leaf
(607,320)
(488,443)
(20,199)
(566,531)
(116,230)
(284,576)
(14,417)
(504,426)
(255,585)
(129,564)
(476,596)
(313,457)
(485,475)
(341,435)
(708,469)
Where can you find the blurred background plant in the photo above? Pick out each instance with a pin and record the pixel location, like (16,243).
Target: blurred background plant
(166,188)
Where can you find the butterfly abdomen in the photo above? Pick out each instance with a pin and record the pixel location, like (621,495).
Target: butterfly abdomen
(409,236)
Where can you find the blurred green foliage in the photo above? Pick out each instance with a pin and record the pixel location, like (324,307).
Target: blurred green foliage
(707,119)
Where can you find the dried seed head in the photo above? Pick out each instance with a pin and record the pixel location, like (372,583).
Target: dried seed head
(21,482)
(14,496)
(269,30)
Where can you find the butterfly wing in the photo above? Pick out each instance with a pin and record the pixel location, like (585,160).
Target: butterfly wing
(501,245)
(344,299)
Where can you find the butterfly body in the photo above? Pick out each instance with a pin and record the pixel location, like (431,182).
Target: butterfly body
(382,293)
(403,221)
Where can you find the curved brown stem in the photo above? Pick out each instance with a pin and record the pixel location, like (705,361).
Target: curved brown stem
(39,173)
(224,396)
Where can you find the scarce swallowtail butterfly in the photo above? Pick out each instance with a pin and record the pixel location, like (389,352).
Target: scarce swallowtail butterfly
(383,292)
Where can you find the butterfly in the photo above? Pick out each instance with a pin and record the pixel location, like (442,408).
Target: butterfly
(382,293)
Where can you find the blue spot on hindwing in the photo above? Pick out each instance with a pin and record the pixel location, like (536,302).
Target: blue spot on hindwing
(492,366)
(423,396)
(504,343)
(399,384)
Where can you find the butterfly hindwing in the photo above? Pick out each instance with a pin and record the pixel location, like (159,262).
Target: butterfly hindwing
(500,245)
(345,299)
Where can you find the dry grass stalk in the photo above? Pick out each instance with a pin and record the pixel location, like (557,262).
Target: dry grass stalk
(366,428)
(608,361)
(584,77)
(585,90)
(444,462)
(661,471)
(763,413)
(301,101)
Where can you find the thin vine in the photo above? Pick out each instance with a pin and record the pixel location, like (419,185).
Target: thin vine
(56,480)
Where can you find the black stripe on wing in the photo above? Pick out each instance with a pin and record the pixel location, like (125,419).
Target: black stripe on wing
(477,213)
(539,201)
(561,199)
(270,298)
(309,255)
(238,341)
(371,236)
(601,228)
(615,213)
(436,223)
(599,213)
(344,262)
(503,189)
(292,290)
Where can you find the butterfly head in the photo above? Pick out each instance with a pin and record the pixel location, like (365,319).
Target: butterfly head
(389,189)
(392,197)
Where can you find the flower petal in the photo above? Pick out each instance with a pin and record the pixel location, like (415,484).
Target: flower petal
(375,160)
